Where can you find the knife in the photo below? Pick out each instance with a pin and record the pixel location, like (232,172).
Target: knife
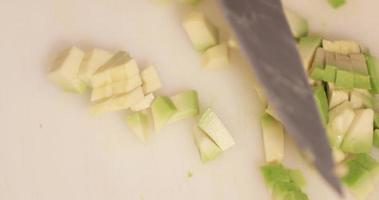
(267,42)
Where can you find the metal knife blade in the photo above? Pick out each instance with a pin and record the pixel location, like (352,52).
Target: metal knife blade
(266,40)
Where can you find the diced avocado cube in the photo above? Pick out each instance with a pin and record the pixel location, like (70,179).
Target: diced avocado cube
(318,66)
(345,79)
(376,138)
(341,118)
(119,68)
(273,138)
(307,47)
(358,180)
(373,70)
(336,97)
(211,124)
(151,80)
(341,46)
(330,67)
(216,56)
(65,70)
(360,98)
(187,104)
(101,92)
(275,172)
(361,75)
(322,103)
(162,110)
(92,61)
(200,31)
(297,177)
(366,162)
(358,138)
(118,102)
(297,23)
(208,150)
(144,104)
(138,122)
(337,3)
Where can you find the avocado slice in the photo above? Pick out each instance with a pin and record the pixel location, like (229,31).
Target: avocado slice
(273,138)
(162,110)
(138,122)
(151,80)
(359,137)
(187,104)
(207,148)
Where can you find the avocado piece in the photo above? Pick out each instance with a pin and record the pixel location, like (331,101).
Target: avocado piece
(212,125)
(273,138)
(330,67)
(360,98)
(297,23)
(345,75)
(117,102)
(162,110)
(361,75)
(65,70)
(216,56)
(151,80)
(358,138)
(144,104)
(275,172)
(341,46)
(376,138)
(119,68)
(297,177)
(92,61)
(336,97)
(200,31)
(207,148)
(187,104)
(376,120)
(322,103)
(138,122)
(341,118)
(307,47)
(282,190)
(373,70)
(318,66)
(337,3)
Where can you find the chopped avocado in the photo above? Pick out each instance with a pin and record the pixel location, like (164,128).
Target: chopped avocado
(207,148)
(358,180)
(359,137)
(376,138)
(150,79)
(138,122)
(361,75)
(187,104)
(360,98)
(330,71)
(92,61)
(341,46)
(120,67)
(200,31)
(322,103)
(307,47)
(345,75)
(216,56)
(269,110)
(275,172)
(118,102)
(337,3)
(341,117)
(65,70)
(273,138)
(297,177)
(211,124)
(162,110)
(116,88)
(318,66)
(144,103)
(298,24)
(376,120)
(373,70)
(282,190)
(336,97)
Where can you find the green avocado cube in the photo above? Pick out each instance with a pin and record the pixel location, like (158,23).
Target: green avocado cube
(318,66)
(187,104)
(373,70)
(322,103)
(275,172)
(162,110)
(307,47)
(361,75)
(138,122)
(330,70)
(341,118)
(207,148)
(358,180)
(273,138)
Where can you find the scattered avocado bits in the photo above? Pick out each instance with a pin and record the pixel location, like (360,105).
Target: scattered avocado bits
(273,138)
(212,125)
(162,110)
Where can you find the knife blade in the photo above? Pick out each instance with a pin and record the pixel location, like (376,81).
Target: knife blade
(267,42)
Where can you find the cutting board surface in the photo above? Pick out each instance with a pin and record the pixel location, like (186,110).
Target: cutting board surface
(51,148)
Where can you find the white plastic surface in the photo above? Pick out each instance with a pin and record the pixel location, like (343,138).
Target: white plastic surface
(52,149)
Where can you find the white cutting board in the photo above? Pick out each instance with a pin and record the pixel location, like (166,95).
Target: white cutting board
(52,149)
